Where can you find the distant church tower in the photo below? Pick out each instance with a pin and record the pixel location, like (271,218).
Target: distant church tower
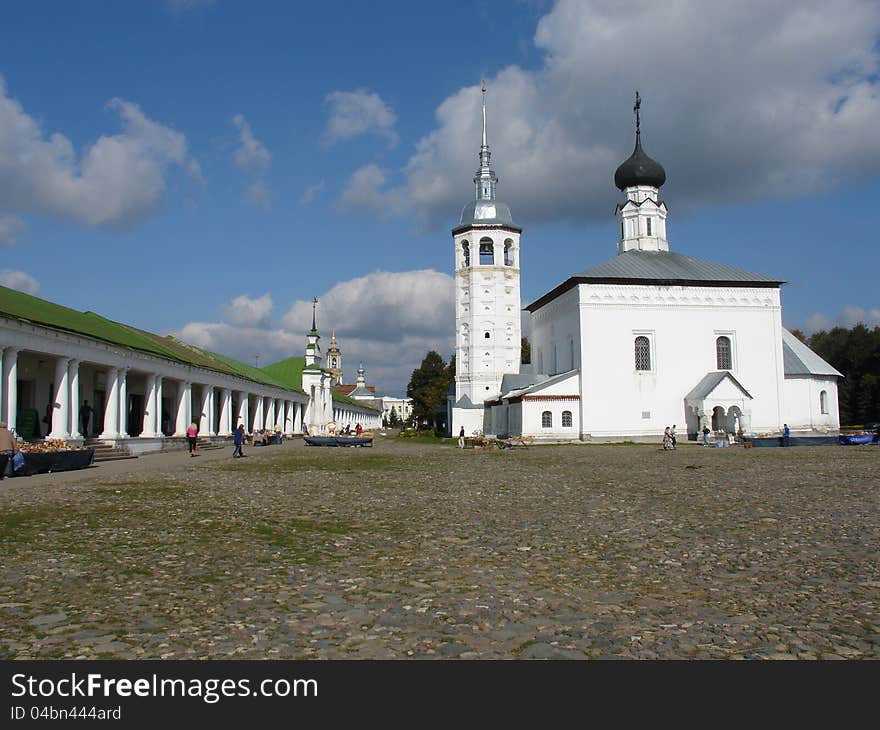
(642,218)
(334,359)
(487,296)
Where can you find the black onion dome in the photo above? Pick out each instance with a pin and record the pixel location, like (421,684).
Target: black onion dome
(639,169)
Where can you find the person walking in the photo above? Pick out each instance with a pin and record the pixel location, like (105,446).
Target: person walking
(238,441)
(786,435)
(461,438)
(667,439)
(192,435)
(85,416)
(358,429)
(706,433)
(672,435)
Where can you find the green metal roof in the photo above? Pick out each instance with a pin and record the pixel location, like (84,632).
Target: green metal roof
(290,372)
(26,308)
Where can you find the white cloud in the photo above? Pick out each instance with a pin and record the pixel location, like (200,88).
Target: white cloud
(387,320)
(740,102)
(11,228)
(383,307)
(851,316)
(251,154)
(353,113)
(115,181)
(19,280)
(848,317)
(244,310)
(258,194)
(311,192)
(816,322)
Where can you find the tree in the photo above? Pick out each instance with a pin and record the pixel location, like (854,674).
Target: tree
(525,351)
(393,418)
(856,353)
(427,387)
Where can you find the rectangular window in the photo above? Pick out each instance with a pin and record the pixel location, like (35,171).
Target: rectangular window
(649,226)
(646,414)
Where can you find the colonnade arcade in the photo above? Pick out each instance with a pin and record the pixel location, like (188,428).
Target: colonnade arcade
(43,394)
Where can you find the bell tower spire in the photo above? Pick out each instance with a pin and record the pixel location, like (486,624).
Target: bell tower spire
(485,179)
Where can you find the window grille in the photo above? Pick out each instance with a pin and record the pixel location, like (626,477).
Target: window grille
(508,258)
(566,419)
(466,250)
(546,419)
(722,353)
(643,353)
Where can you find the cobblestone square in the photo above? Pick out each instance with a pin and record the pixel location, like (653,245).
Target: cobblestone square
(425,551)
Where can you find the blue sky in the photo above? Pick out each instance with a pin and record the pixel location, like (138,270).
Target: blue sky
(258,154)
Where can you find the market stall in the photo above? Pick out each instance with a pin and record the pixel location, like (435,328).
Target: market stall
(53,455)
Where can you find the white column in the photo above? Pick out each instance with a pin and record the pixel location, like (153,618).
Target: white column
(205,412)
(297,417)
(225,412)
(73,385)
(10,387)
(258,413)
(243,414)
(270,414)
(148,429)
(111,406)
(61,401)
(288,417)
(158,406)
(122,389)
(212,409)
(184,396)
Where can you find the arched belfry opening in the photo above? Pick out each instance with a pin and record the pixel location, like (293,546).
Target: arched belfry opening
(487,252)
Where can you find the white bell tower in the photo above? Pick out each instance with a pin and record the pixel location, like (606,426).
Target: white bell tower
(487,297)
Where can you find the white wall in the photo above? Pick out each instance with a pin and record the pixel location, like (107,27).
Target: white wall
(803,411)
(682,324)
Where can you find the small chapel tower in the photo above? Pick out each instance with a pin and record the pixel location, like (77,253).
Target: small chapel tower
(642,218)
(313,347)
(487,296)
(334,359)
(316,381)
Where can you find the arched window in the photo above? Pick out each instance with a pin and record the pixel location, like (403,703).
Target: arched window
(643,353)
(722,353)
(649,226)
(508,255)
(546,419)
(466,252)
(566,419)
(823,401)
(486,336)
(487,252)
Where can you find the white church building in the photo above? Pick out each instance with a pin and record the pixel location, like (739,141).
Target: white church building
(645,340)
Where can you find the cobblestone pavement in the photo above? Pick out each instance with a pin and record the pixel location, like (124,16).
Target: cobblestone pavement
(410,550)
